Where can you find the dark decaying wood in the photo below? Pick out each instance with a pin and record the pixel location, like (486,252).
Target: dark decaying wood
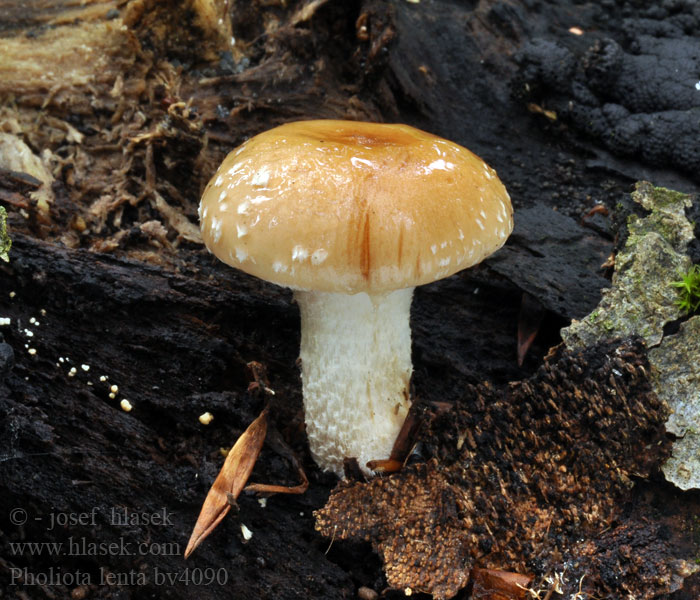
(130,105)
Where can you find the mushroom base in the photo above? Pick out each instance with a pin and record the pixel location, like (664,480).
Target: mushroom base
(356,369)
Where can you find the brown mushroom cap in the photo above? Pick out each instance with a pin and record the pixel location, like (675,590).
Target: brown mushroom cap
(344,206)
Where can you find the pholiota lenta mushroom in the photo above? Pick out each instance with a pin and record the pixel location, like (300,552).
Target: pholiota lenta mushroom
(352,216)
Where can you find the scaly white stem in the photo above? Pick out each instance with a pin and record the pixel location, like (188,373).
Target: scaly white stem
(356,368)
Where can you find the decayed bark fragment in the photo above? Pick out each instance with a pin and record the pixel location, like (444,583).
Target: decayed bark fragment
(521,475)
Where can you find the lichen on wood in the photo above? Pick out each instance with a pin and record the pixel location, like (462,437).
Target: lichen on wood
(642,299)
(677,381)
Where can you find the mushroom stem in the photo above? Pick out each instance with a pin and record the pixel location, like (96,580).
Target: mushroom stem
(356,369)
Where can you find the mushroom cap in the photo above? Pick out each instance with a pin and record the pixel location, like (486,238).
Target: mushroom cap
(345,206)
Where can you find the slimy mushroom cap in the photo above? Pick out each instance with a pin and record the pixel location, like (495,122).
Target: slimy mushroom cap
(344,206)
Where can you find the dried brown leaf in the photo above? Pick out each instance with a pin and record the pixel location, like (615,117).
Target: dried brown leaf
(491,584)
(230,481)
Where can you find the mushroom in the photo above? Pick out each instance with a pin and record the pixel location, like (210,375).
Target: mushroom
(352,216)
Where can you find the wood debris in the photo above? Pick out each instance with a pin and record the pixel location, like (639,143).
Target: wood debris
(517,477)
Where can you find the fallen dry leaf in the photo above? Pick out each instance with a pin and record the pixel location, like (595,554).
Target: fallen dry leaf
(230,482)
(490,584)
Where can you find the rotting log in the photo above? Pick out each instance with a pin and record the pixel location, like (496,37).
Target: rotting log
(168,342)
(113,280)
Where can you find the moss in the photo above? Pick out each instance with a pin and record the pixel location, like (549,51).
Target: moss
(664,197)
(689,290)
